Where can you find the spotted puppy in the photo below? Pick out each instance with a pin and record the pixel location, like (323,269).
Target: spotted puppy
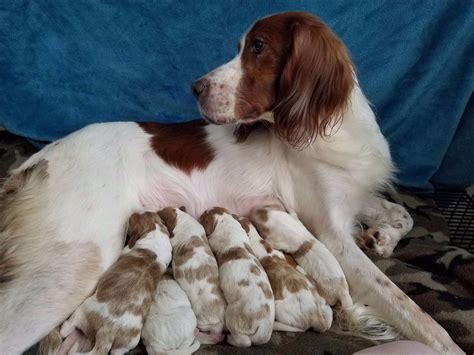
(170,327)
(250,311)
(195,268)
(298,305)
(284,231)
(113,316)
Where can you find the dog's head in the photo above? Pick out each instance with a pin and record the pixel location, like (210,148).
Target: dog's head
(290,70)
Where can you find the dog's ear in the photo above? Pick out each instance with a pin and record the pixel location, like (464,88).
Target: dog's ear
(315,84)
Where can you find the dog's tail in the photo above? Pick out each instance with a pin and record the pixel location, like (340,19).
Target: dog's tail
(363,321)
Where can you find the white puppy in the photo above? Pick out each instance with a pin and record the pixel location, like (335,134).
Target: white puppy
(170,327)
(250,312)
(285,232)
(195,268)
(297,302)
(113,316)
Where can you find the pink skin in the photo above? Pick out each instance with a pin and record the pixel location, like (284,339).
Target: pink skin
(197,208)
(210,338)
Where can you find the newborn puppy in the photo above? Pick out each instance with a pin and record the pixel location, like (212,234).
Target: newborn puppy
(113,316)
(250,309)
(195,268)
(297,302)
(170,327)
(285,232)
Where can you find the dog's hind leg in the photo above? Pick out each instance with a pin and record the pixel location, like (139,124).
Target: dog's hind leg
(56,238)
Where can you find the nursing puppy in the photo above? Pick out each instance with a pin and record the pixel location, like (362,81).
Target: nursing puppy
(297,302)
(195,268)
(250,311)
(170,326)
(113,316)
(285,232)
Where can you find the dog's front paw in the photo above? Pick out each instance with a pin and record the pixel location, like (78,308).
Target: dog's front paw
(383,236)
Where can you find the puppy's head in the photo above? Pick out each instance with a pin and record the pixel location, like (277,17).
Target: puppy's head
(139,225)
(210,218)
(291,70)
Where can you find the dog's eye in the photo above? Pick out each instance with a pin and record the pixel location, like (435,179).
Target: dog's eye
(257,46)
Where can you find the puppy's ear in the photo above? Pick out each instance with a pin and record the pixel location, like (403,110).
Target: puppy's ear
(315,84)
(169,217)
(245,223)
(208,221)
(139,225)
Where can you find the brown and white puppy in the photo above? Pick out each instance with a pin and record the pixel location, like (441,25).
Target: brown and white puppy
(170,326)
(195,268)
(113,316)
(285,232)
(250,311)
(298,304)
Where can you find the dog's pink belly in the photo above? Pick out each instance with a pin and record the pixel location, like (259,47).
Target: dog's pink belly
(197,204)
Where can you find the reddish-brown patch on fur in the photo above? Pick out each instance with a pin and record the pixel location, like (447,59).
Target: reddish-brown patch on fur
(129,284)
(235,253)
(169,217)
(139,225)
(261,215)
(184,252)
(255,270)
(303,249)
(245,223)
(267,246)
(290,260)
(266,289)
(208,218)
(282,275)
(182,145)
(303,74)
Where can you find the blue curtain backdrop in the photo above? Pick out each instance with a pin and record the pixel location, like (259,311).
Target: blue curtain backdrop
(65,64)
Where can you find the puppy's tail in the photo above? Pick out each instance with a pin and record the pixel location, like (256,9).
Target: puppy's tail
(281,327)
(363,321)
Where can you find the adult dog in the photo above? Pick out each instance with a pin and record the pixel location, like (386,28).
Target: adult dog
(291,126)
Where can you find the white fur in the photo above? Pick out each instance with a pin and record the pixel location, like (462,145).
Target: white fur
(170,327)
(208,306)
(245,301)
(100,175)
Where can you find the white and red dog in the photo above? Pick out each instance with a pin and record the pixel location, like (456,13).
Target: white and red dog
(291,126)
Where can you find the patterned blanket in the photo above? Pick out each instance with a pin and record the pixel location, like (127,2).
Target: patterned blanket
(436,275)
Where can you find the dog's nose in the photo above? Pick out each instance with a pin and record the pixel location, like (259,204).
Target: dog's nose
(200,86)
